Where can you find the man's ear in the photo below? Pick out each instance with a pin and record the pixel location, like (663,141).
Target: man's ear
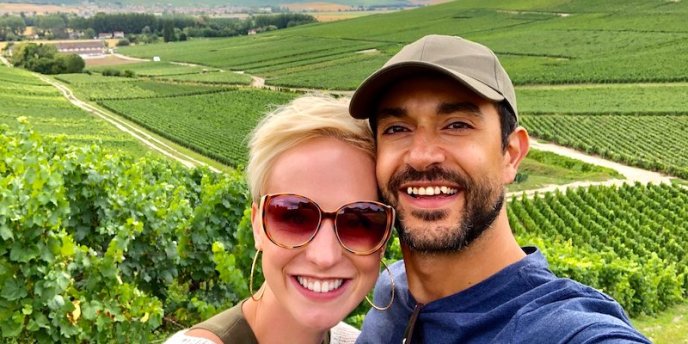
(516,149)
(256,223)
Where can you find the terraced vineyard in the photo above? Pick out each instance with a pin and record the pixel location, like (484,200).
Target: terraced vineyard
(22,94)
(215,125)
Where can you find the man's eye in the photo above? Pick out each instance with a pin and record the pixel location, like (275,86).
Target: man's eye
(458,125)
(394,129)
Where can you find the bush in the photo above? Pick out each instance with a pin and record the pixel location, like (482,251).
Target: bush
(123,42)
(96,247)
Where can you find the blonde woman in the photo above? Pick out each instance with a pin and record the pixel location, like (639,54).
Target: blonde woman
(318,224)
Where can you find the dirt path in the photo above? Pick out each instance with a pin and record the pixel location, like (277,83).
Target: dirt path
(145,138)
(4,61)
(632,174)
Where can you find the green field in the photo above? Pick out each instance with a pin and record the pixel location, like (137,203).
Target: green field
(607,78)
(177,72)
(541,169)
(156,68)
(644,125)
(95,87)
(22,94)
(538,42)
(215,125)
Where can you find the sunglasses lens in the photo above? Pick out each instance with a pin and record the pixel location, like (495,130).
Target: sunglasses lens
(362,226)
(291,220)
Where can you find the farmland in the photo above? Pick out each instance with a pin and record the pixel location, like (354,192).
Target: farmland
(22,94)
(205,123)
(536,44)
(606,78)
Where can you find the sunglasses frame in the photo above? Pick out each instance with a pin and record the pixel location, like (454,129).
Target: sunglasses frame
(391,215)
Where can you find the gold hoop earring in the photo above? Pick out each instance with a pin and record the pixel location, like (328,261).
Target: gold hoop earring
(391,300)
(250,280)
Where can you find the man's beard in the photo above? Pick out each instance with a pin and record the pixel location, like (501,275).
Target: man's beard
(483,202)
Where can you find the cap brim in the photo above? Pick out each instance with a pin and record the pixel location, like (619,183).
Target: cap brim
(365,99)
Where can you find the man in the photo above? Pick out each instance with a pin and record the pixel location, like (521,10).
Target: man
(445,119)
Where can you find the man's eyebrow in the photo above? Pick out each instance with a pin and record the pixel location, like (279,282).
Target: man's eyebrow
(469,108)
(391,112)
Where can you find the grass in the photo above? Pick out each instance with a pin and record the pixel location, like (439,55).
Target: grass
(215,125)
(620,41)
(546,168)
(668,327)
(649,98)
(50,114)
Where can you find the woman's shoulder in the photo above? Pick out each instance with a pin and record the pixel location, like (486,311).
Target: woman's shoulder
(229,326)
(181,337)
(343,333)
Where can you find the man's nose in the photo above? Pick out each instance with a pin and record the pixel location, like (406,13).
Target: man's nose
(425,150)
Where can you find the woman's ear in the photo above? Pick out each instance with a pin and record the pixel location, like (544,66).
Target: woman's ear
(256,223)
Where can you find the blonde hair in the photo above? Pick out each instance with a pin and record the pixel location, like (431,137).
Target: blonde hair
(303,119)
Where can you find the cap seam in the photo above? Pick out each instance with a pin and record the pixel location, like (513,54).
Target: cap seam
(422,50)
(494,70)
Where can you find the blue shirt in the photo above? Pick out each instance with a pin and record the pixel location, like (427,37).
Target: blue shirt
(523,303)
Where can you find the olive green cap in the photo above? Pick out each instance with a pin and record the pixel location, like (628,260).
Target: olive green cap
(472,64)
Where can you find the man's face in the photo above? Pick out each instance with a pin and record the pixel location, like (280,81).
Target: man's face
(440,162)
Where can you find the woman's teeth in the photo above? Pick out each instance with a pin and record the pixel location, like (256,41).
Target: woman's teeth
(430,191)
(319,286)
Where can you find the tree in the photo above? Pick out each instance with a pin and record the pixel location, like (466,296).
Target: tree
(72,63)
(168,31)
(90,33)
(11,26)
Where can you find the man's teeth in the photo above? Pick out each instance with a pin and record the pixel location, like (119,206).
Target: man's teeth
(319,286)
(430,191)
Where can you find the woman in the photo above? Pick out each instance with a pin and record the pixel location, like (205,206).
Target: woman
(315,219)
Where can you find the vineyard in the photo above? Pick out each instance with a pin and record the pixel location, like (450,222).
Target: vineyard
(115,245)
(538,42)
(215,125)
(117,248)
(176,72)
(639,228)
(97,88)
(22,94)
(651,142)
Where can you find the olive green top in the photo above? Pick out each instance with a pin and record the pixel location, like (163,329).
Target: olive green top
(232,328)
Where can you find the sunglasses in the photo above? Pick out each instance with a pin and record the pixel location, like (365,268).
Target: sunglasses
(292,221)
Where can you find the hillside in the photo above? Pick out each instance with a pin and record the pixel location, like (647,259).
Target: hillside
(538,42)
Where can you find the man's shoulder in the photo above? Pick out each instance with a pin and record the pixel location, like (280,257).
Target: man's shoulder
(573,312)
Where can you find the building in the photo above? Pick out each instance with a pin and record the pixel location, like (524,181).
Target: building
(85,49)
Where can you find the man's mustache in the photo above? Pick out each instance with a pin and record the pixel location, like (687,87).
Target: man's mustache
(434,173)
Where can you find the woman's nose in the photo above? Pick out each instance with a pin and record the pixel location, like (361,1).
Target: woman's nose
(325,250)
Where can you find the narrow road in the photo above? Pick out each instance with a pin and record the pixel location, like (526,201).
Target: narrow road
(632,174)
(137,133)
(4,61)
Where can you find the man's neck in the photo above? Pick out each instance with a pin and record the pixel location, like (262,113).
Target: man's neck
(434,276)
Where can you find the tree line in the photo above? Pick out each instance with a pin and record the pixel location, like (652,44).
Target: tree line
(141,27)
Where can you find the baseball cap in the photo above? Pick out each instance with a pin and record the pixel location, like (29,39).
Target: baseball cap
(472,64)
